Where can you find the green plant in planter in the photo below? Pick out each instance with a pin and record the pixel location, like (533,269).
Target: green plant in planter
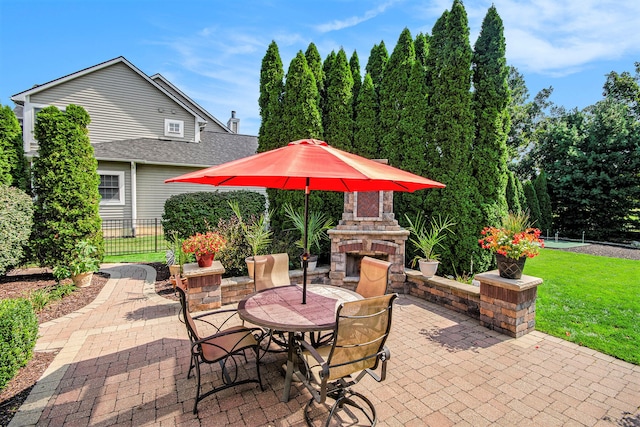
(317,226)
(257,232)
(84,259)
(427,237)
(175,256)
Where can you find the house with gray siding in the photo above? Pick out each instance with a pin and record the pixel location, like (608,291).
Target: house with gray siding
(143,130)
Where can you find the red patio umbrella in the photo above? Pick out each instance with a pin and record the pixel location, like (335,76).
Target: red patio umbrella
(309,164)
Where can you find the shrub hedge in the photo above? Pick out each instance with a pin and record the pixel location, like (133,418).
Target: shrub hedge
(190,213)
(16,219)
(18,334)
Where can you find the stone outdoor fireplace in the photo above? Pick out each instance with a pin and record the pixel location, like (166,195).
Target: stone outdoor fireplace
(367,228)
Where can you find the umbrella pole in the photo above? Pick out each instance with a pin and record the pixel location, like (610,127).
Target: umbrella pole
(305,255)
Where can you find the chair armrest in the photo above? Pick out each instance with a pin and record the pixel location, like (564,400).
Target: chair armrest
(383,356)
(324,373)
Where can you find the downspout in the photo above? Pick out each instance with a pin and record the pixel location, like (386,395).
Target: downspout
(134,198)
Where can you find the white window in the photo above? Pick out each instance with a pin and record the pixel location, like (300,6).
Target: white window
(173,128)
(111,187)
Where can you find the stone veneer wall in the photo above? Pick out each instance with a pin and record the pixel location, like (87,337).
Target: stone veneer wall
(448,293)
(499,304)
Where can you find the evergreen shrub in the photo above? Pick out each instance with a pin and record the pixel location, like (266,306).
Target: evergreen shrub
(18,334)
(190,213)
(16,219)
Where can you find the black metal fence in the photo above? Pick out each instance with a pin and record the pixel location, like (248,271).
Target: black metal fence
(128,236)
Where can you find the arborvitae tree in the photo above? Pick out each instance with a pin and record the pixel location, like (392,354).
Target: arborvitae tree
(450,135)
(326,71)
(366,141)
(300,108)
(532,203)
(13,166)
(315,65)
(298,102)
(544,201)
(436,52)
(422,49)
(271,88)
(490,101)
(394,87)
(513,198)
(338,120)
(354,65)
(412,144)
(66,182)
(378,58)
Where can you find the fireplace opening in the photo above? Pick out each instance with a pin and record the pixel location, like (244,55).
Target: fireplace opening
(353,262)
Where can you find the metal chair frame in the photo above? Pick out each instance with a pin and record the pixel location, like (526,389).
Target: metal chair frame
(220,347)
(329,371)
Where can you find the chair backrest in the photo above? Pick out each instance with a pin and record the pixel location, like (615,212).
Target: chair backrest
(362,328)
(184,309)
(276,272)
(374,277)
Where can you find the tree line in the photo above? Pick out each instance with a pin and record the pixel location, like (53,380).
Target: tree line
(460,115)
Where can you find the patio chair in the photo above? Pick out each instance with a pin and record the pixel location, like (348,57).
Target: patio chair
(374,277)
(221,347)
(362,327)
(276,272)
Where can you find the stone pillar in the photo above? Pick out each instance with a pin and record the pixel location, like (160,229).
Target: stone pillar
(508,306)
(203,292)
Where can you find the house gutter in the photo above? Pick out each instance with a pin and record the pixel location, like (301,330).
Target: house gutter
(134,197)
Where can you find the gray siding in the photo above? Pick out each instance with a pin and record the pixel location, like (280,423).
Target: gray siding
(212,124)
(121,103)
(152,191)
(117,211)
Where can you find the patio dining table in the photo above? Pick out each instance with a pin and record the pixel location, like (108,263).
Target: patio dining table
(280,308)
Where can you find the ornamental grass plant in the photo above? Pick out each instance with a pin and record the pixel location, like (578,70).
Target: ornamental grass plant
(515,238)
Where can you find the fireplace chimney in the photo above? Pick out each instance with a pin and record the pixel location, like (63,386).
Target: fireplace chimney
(233,124)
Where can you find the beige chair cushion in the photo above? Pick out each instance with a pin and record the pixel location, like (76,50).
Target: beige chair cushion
(374,275)
(276,272)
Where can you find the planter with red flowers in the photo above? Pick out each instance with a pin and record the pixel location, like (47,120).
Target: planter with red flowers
(204,246)
(513,242)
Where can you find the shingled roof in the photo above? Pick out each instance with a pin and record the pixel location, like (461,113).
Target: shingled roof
(215,148)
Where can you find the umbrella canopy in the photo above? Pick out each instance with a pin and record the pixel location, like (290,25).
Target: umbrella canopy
(309,164)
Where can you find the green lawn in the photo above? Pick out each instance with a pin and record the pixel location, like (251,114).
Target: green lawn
(591,300)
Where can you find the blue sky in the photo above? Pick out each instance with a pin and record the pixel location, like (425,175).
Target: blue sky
(212,50)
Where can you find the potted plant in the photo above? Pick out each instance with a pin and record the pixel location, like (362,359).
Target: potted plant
(204,246)
(83,263)
(513,242)
(258,236)
(175,256)
(426,239)
(317,226)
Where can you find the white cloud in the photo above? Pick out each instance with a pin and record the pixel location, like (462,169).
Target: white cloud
(559,38)
(339,24)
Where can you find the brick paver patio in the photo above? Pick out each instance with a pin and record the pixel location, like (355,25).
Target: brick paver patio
(123,360)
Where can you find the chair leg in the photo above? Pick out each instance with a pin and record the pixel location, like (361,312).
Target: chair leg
(257,350)
(344,398)
(191,365)
(195,405)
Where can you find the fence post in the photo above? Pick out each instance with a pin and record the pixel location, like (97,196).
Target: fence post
(156,234)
